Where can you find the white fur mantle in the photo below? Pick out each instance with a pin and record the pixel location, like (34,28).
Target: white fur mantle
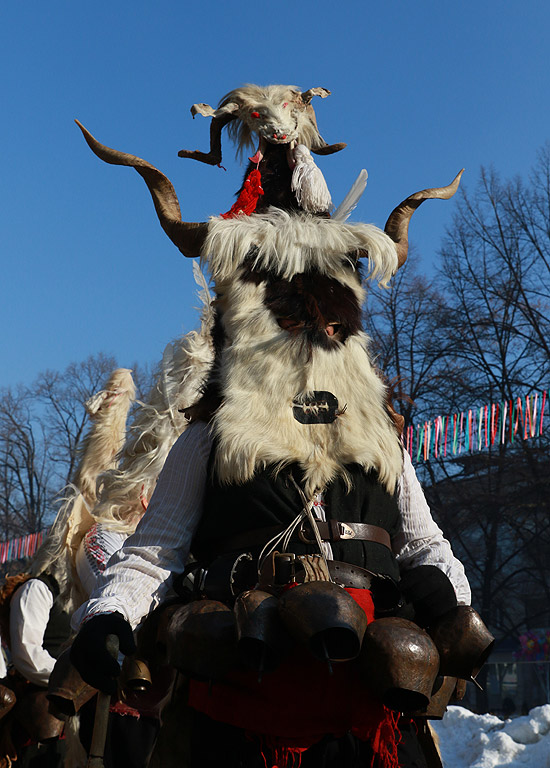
(292,243)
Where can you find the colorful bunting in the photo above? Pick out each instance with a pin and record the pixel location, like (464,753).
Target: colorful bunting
(24,546)
(477,428)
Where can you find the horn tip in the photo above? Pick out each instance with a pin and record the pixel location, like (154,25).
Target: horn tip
(453,186)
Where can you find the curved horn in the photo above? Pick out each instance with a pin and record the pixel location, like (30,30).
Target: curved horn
(329,149)
(187,236)
(220,118)
(323,148)
(397,225)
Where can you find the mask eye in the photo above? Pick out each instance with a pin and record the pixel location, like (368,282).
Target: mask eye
(255,114)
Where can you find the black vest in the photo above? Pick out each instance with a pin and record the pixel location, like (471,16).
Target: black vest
(271,499)
(58,629)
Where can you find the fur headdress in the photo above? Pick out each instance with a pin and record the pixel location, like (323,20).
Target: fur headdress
(292,379)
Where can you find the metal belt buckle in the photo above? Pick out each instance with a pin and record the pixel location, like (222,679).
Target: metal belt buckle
(342,532)
(302,532)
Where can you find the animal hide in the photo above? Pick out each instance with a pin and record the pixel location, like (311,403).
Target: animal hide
(293,243)
(186,362)
(265,370)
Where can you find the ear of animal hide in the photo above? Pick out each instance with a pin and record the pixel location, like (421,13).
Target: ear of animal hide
(293,243)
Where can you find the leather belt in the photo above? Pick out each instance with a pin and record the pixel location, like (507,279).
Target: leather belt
(334,530)
(330,531)
(385,592)
(350,575)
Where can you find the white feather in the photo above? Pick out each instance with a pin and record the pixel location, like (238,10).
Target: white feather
(349,203)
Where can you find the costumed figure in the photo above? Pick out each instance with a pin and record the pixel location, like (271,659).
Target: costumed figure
(98,524)
(36,607)
(325,600)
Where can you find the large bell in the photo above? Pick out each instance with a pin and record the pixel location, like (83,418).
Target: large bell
(67,691)
(7,700)
(262,638)
(463,641)
(201,639)
(324,617)
(135,675)
(443,691)
(399,663)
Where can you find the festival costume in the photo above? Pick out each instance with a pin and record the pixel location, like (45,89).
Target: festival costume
(297,450)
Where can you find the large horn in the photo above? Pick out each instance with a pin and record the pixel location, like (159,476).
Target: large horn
(397,225)
(323,148)
(220,118)
(187,236)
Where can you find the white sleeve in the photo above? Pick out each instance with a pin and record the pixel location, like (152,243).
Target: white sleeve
(30,609)
(138,576)
(419,540)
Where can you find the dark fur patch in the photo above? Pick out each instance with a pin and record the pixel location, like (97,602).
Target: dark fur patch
(307,303)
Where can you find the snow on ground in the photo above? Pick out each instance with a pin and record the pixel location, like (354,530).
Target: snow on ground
(485,741)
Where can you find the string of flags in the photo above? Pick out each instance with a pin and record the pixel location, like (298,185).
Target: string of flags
(24,546)
(477,428)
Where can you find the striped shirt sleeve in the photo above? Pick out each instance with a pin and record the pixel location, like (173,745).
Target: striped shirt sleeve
(419,540)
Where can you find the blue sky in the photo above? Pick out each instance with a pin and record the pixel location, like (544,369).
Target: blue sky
(419,90)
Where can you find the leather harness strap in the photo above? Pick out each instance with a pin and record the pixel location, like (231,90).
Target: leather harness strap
(330,531)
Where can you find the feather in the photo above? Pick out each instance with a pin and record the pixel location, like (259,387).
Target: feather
(204,292)
(349,203)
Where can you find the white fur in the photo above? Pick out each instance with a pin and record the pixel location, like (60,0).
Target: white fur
(296,120)
(291,243)
(157,424)
(109,410)
(264,369)
(308,183)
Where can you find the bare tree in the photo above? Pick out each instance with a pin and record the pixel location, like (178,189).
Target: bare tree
(60,399)
(478,334)
(25,472)
(408,327)
(40,429)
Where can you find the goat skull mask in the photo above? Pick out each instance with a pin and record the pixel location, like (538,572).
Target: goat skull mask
(276,114)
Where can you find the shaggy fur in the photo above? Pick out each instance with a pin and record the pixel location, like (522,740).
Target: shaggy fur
(263,368)
(294,243)
(56,556)
(108,410)
(295,120)
(158,423)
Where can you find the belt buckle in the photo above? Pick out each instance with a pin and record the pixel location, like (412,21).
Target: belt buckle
(302,533)
(341,531)
(345,532)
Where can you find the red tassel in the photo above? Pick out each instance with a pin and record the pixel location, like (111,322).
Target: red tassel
(248,199)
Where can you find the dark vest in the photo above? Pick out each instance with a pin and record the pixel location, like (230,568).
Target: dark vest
(58,629)
(271,499)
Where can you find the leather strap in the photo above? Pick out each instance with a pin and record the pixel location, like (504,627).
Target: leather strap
(334,530)
(330,531)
